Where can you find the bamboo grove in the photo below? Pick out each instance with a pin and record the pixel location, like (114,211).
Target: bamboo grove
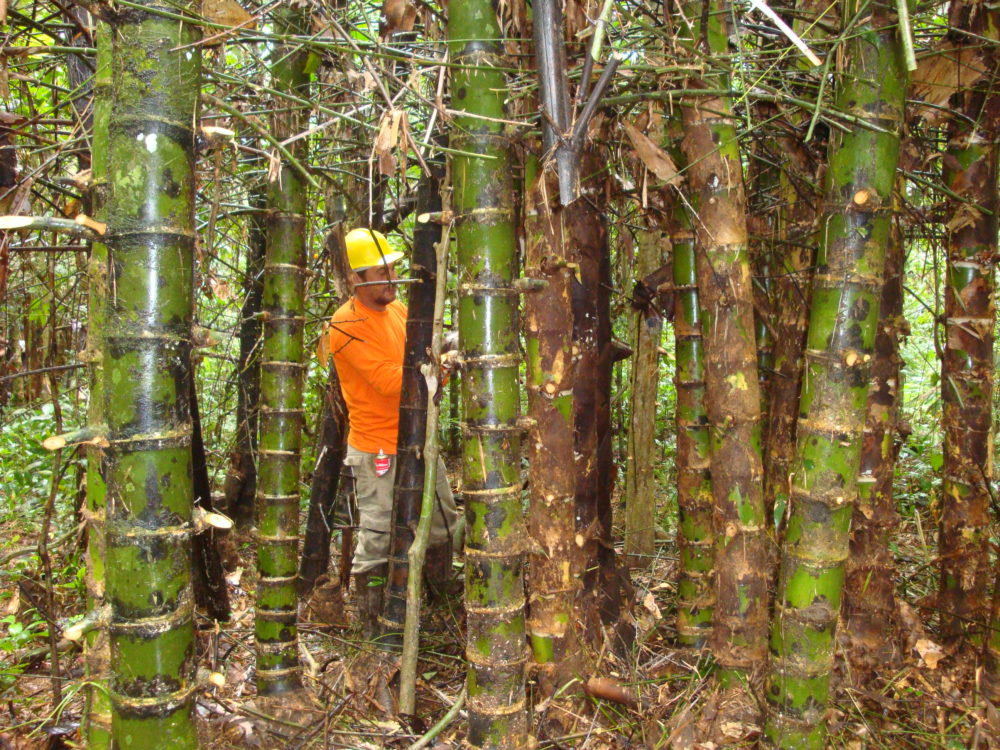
(722,419)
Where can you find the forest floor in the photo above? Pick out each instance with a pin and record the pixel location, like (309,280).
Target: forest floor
(656,696)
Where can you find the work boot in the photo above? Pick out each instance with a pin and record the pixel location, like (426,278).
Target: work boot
(369,589)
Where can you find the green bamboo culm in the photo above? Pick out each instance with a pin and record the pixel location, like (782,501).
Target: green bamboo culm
(843,319)
(155,73)
(97,713)
(487,320)
(282,357)
(695,536)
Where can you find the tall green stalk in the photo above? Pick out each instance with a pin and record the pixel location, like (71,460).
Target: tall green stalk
(281,362)
(842,327)
(487,320)
(732,395)
(97,715)
(155,71)
(695,535)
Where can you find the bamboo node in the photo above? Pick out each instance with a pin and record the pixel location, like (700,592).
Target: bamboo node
(527,284)
(527,423)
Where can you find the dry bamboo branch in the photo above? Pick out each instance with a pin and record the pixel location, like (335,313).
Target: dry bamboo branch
(82,226)
(418,549)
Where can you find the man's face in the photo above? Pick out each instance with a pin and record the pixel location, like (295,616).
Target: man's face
(377,296)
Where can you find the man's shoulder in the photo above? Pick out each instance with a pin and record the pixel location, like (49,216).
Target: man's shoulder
(398,308)
(346,313)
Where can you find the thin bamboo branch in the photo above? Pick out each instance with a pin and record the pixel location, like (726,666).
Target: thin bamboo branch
(435,730)
(418,549)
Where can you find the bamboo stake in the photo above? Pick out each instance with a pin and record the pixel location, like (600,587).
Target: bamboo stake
(418,550)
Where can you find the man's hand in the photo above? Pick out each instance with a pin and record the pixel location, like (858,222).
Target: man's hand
(449,363)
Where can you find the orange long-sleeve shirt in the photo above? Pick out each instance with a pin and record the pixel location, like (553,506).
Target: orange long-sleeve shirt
(367,348)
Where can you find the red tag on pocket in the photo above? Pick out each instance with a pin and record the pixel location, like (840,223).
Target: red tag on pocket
(381,463)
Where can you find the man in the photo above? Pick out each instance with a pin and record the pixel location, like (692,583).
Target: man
(366,338)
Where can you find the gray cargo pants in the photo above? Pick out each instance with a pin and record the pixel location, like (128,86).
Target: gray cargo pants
(374,495)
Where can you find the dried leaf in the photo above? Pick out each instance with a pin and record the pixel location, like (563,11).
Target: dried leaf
(220,289)
(649,602)
(939,76)
(399,16)
(929,651)
(655,158)
(966,215)
(233,579)
(227,13)
(386,141)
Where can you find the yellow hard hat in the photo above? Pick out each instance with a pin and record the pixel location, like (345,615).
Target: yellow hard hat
(367,248)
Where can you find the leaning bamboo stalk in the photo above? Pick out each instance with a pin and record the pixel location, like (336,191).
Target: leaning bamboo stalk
(418,548)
